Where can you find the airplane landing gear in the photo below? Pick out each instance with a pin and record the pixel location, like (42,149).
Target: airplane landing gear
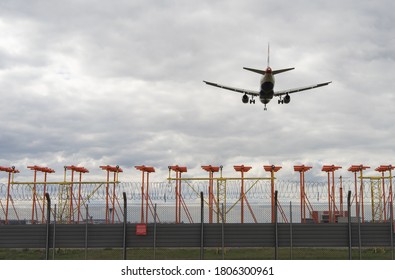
(252,101)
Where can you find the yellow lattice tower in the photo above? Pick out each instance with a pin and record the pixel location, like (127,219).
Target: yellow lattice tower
(221,199)
(377,199)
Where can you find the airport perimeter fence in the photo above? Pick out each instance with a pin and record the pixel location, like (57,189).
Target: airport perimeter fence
(127,239)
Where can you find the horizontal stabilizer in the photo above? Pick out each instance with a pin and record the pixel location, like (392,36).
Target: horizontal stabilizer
(263,72)
(282,70)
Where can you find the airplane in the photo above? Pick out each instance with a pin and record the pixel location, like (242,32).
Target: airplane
(266,91)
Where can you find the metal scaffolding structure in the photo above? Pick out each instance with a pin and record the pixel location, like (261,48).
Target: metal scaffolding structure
(239,199)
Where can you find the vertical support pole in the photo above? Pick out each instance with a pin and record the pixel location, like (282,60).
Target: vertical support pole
(142,196)
(330,170)
(116,170)
(384,198)
(155,232)
(177,198)
(361,198)
(34,195)
(356,197)
(349,226)
(329,199)
(48,224)
(8,198)
(211,169)
(144,191)
(211,198)
(86,231)
(222,232)
(392,229)
(71,209)
(290,230)
(272,169)
(125,220)
(54,233)
(45,191)
(275,226)
(146,200)
(273,198)
(201,226)
(113,198)
(242,197)
(302,199)
(341,198)
(107,198)
(333,198)
(79,199)
(359,232)
(242,169)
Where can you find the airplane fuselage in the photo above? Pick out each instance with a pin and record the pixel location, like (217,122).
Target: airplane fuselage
(266,91)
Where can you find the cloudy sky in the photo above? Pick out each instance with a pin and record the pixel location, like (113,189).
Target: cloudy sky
(99,82)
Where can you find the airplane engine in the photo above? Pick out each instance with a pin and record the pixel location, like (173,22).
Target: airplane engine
(287,99)
(245,99)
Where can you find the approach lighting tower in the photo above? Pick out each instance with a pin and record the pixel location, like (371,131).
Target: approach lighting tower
(330,169)
(272,169)
(242,169)
(303,197)
(211,170)
(144,191)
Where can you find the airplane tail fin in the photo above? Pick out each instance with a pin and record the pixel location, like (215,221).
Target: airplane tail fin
(263,72)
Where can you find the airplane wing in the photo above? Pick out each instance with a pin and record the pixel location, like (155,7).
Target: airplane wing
(245,91)
(288,91)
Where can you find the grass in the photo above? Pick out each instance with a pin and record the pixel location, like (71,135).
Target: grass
(194,254)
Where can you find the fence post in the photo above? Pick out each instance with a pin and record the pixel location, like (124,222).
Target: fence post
(223,232)
(392,230)
(48,224)
(349,226)
(359,231)
(54,233)
(275,226)
(201,227)
(155,232)
(86,230)
(290,230)
(125,221)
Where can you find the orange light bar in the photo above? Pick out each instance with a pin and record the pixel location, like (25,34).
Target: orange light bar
(329,168)
(178,168)
(242,168)
(302,168)
(144,168)
(272,168)
(9,169)
(77,169)
(383,168)
(356,168)
(42,169)
(111,168)
(210,168)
